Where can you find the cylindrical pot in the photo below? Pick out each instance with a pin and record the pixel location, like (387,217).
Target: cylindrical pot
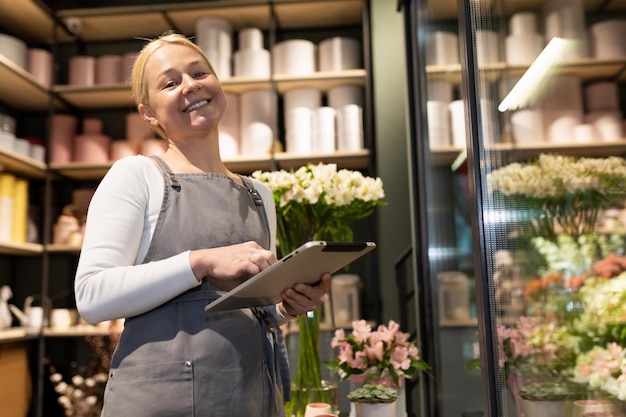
(376,409)
(542,408)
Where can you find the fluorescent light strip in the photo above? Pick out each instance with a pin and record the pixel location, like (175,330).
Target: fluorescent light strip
(529,86)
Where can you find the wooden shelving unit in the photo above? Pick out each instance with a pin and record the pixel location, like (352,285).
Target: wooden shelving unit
(21,249)
(21,165)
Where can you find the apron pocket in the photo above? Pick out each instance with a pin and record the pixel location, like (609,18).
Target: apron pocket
(160,389)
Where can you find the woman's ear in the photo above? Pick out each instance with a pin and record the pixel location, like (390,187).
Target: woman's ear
(146,112)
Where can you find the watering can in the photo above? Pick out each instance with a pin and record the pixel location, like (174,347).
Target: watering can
(33,316)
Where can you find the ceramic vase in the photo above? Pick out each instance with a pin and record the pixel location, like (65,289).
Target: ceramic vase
(376,409)
(400,403)
(63,129)
(542,408)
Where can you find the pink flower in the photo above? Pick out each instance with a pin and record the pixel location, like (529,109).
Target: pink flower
(585,370)
(345,353)
(340,335)
(400,358)
(383,356)
(387,334)
(375,351)
(361,330)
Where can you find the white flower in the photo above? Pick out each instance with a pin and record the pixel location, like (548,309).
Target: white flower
(77,380)
(319,201)
(61,387)
(557,175)
(65,401)
(56,377)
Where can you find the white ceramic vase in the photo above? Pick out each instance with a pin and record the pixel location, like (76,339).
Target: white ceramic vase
(400,403)
(376,409)
(542,408)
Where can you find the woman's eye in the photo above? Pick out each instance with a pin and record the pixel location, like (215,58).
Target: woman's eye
(170,84)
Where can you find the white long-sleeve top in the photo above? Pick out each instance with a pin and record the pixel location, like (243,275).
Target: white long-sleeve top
(111,281)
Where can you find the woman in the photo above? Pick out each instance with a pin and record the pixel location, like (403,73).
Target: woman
(164,234)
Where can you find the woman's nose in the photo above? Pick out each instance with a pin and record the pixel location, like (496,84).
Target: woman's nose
(190,84)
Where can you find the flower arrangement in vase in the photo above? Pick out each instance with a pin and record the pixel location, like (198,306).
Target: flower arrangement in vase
(385,356)
(382,357)
(316,202)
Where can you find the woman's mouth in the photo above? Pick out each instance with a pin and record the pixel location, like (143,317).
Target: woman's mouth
(196,105)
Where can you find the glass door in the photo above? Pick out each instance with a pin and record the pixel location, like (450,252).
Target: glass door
(443,255)
(518,205)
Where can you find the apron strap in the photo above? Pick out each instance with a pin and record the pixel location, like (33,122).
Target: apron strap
(275,354)
(170,175)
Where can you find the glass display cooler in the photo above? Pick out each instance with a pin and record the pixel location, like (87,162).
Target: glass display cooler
(514,284)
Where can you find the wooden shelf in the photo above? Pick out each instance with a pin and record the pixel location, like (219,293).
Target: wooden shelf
(20,90)
(21,165)
(81,171)
(458,323)
(33,22)
(77,331)
(120,95)
(317,13)
(16,334)
(323,81)
(447,9)
(447,156)
(63,249)
(350,160)
(27,19)
(97,96)
(588,69)
(21,249)
(599,149)
(125,22)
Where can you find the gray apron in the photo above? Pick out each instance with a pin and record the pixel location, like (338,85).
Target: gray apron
(179,361)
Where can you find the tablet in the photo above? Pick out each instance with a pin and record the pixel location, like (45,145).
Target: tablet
(305,264)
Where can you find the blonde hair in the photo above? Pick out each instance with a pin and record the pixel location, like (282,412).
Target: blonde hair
(138,79)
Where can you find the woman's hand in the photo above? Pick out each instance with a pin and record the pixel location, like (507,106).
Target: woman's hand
(230,262)
(302,298)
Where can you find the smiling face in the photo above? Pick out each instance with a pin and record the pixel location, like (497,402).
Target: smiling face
(184,97)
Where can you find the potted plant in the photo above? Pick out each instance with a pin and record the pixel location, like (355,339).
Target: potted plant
(374,400)
(548,398)
(382,356)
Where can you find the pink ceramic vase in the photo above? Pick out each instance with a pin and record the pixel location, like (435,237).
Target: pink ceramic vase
(62,132)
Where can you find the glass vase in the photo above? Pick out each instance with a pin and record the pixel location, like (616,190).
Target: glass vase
(327,393)
(309,384)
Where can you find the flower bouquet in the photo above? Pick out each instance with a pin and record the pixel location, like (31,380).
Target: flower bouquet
(384,356)
(316,202)
(563,194)
(535,347)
